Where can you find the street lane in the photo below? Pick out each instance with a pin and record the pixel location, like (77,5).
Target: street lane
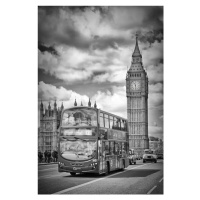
(131,181)
(138,180)
(47,170)
(158,189)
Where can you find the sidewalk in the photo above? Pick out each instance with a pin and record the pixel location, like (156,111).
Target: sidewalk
(48,163)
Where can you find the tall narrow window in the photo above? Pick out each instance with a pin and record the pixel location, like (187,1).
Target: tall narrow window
(101,120)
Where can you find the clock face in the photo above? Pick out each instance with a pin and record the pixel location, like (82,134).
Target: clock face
(135,85)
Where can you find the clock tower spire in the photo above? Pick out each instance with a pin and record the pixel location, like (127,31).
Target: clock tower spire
(137,102)
(136,52)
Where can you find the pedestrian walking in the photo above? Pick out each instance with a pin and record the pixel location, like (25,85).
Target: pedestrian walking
(45,155)
(49,156)
(56,156)
(40,156)
(53,156)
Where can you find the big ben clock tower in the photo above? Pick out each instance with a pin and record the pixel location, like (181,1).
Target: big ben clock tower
(137,103)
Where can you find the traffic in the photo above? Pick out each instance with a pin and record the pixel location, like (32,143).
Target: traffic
(95,141)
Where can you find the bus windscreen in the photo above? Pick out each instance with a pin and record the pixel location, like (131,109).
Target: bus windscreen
(78,149)
(79,117)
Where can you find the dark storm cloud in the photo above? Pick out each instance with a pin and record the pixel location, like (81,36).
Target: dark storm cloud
(153,20)
(139,17)
(44,48)
(150,36)
(103,10)
(49,79)
(53,28)
(154,17)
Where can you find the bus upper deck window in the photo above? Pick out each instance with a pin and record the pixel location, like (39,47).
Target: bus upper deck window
(125,126)
(111,122)
(122,125)
(106,121)
(119,124)
(115,123)
(101,122)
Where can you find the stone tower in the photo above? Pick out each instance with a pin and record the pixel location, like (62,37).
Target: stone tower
(137,103)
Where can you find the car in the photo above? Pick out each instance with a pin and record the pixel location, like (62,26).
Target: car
(132,157)
(149,157)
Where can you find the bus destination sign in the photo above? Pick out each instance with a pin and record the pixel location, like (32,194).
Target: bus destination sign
(68,132)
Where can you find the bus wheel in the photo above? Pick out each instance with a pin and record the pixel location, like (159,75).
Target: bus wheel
(73,173)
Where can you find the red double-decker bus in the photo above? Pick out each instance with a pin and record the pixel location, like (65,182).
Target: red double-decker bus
(92,141)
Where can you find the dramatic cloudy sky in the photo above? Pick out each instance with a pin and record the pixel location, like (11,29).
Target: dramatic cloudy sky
(84,52)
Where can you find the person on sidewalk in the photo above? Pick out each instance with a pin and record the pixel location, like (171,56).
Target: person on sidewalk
(45,155)
(49,156)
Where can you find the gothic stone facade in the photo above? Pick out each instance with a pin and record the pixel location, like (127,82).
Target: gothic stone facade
(49,128)
(137,103)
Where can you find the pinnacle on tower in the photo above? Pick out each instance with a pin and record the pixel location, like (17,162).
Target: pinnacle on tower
(49,107)
(75,104)
(55,109)
(41,109)
(89,103)
(41,105)
(55,104)
(62,107)
(136,52)
(46,111)
(95,105)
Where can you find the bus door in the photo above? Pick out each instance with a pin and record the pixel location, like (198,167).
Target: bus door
(118,147)
(101,156)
